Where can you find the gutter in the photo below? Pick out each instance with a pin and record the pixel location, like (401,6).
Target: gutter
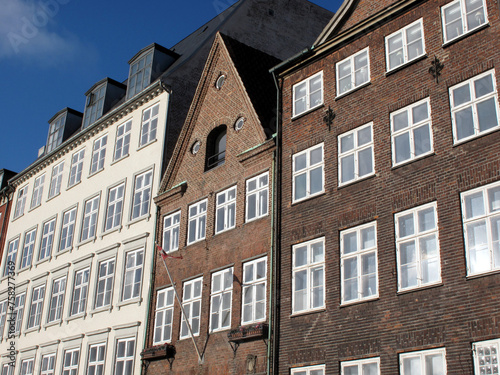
(306,52)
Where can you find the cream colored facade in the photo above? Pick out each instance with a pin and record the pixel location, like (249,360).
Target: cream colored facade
(83,326)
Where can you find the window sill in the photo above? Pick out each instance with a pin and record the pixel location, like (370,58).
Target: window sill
(112,230)
(138,219)
(92,174)
(465,35)
(76,316)
(406,64)
(17,217)
(52,197)
(84,242)
(44,260)
(34,208)
(195,242)
(352,182)
(308,198)
(353,90)
(64,251)
(53,324)
(108,308)
(30,330)
(482,274)
(188,337)
(295,117)
(307,312)
(419,288)
(359,301)
(407,162)
(247,221)
(224,231)
(120,159)
(133,301)
(27,268)
(476,136)
(146,144)
(75,184)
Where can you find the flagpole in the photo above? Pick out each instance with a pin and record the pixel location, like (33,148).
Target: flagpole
(200,358)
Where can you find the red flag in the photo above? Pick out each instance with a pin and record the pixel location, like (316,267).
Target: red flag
(164,255)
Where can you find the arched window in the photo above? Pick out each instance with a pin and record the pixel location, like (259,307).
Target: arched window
(216,147)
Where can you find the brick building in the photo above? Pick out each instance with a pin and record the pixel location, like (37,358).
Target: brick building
(215,205)
(6,195)
(390,201)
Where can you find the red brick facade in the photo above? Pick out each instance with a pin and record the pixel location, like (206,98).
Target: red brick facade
(462,307)
(249,153)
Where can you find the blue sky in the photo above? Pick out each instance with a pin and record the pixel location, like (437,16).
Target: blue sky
(53,51)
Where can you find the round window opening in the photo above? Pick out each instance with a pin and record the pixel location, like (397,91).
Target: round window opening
(238,125)
(196,147)
(220,81)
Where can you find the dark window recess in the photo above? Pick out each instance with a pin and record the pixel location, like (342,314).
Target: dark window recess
(216,147)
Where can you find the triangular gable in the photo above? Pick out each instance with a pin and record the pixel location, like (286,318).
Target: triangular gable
(223,47)
(351,13)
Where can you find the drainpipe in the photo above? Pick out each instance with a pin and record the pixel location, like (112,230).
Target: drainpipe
(271,268)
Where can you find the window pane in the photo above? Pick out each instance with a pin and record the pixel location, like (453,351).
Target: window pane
(487,114)
(426,219)
(422,140)
(494,199)
(316,180)
(478,247)
(474,205)
(402,145)
(350,242)
(347,168)
(406,227)
(365,162)
(347,143)
(316,156)
(400,121)
(300,256)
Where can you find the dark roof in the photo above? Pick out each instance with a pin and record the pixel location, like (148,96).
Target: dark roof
(155,46)
(68,110)
(253,67)
(108,80)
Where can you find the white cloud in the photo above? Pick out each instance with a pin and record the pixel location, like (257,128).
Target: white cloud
(27,32)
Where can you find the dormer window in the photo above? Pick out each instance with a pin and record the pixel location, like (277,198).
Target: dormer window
(56,132)
(95,103)
(216,147)
(140,74)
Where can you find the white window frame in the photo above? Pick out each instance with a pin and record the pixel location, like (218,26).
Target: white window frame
(140,74)
(47,239)
(171,230)
(106,278)
(96,363)
(72,368)
(307,370)
(19,304)
(94,105)
(482,350)
(199,219)
(356,152)
(307,97)
(98,154)
(11,255)
(126,358)
(250,285)
(122,143)
(164,316)
(36,196)
(21,201)
(487,218)
(358,254)
(89,220)
(359,364)
(404,40)
(3,316)
(191,304)
(68,224)
(35,312)
(114,209)
(75,173)
(80,292)
(259,194)
(410,130)
(56,180)
(421,356)
(221,288)
(142,194)
(130,275)
(473,103)
(310,268)
(28,249)
(225,210)
(50,364)
(352,72)
(27,366)
(307,171)
(149,125)
(57,299)
(7,369)
(416,237)
(463,16)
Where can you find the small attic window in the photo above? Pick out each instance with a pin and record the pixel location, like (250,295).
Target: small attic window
(140,74)
(95,103)
(238,125)
(220,81)
(56,132)
(216,147)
